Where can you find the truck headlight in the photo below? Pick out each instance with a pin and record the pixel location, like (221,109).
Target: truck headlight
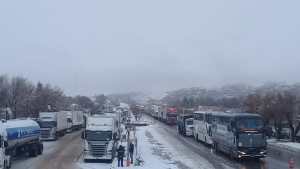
(240,144)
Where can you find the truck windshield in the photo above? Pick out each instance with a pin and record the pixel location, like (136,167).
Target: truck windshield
(251,140)
(171,114)
(98,135)
(250,123)
(189,122)
(47,124)
(69,120)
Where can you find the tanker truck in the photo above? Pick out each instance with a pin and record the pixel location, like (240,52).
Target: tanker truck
(19,136)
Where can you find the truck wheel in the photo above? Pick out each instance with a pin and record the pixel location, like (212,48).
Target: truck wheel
(5,165)
(231,155)
(40,150)
(33,151)
(55,137)
(9,164)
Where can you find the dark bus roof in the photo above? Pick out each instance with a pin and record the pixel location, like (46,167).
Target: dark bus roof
(186,115)
(241,114)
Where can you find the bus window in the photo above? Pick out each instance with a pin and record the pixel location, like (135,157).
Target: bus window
(250,123)
(208,118)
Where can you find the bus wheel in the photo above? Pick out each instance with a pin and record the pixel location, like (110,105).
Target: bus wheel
(215,146)
(232,156)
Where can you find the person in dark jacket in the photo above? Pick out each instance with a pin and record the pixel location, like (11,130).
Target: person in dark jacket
(121,152)
(131,150)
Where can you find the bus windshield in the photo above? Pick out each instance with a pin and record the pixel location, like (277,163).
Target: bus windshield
(250,123)
(251,140)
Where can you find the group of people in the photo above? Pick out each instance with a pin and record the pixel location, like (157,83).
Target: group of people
(121,154)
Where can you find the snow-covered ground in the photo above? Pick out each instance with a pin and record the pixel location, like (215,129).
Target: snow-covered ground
(156,153)
(284,144)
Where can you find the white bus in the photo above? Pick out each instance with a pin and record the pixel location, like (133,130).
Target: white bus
(202,126)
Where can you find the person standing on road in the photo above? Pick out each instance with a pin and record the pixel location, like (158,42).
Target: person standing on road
(131,150)
(121,152)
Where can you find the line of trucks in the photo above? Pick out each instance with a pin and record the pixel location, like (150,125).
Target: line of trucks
(165,114)
(55,124)
(24,136)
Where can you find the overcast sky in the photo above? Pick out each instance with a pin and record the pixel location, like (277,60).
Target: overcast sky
(102,46)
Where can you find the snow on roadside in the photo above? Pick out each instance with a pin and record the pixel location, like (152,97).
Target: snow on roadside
(145,151)
(156,152)
(83,165)
(287,145)
(177,153)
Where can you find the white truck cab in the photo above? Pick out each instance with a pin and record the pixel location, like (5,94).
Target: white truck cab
(189,126)
(100,138)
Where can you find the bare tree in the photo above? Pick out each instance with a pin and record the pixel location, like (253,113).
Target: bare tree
(288,106)
(20,96)
(4,87)
(84,102)
(252,103)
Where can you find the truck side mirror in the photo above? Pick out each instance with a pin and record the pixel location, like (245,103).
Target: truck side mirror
(5,144)
(83,135)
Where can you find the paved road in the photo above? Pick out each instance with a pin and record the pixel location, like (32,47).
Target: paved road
(64,153)
(60,154)
(217,160)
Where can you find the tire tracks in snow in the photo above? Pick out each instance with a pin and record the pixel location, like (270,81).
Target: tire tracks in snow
(216,161)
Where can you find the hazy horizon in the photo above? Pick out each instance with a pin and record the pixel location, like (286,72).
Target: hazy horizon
(92,47)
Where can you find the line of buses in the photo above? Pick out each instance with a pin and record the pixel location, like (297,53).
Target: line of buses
(240,135)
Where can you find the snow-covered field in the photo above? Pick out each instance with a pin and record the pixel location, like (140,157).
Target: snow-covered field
(287,145)
(156,153)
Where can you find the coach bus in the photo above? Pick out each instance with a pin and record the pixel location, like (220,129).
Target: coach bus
(239,134)
(202,126)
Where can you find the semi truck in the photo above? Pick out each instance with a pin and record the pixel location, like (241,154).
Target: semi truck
(53,124)
(77,120)
(185,124)
(100,138)
(69,122)
(74,120)
(169,115)
(19,136)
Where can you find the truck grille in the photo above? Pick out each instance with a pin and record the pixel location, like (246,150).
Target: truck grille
(98,150)
(45,133)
